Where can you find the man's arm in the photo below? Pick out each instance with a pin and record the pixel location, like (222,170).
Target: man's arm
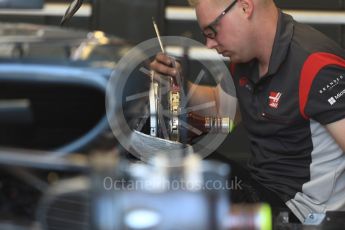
(337,130)
(204,95)
(225,105)
(206,100)
(326,104)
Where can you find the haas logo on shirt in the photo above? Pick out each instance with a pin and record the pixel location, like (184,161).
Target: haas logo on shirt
(243,81)
(274,99)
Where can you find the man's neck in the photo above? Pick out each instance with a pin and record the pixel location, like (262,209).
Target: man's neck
(263,69)
(265,41)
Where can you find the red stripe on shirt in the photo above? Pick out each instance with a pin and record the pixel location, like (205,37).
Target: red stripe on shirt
(312,66)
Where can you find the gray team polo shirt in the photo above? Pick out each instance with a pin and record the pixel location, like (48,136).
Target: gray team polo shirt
(285,113)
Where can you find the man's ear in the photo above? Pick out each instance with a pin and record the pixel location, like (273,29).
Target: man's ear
(247,7)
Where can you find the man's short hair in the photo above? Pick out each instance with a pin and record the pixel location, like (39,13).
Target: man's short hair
(196,2)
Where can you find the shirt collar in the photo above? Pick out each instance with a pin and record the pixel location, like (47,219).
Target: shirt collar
(281,43)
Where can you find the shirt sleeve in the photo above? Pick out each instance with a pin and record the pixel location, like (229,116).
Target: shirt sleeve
(326,99)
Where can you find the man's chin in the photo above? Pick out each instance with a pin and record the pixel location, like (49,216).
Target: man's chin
(233,59)
(226,55)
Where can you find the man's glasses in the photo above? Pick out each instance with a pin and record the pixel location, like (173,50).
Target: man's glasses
(210,30)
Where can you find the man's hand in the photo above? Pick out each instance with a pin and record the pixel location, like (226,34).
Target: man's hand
(165,65)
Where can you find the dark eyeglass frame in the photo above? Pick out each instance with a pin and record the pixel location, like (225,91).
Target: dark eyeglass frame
(212,25)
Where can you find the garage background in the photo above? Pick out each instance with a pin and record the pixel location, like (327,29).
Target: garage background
(131,20)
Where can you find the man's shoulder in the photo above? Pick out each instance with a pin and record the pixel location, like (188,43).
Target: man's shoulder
(307,40)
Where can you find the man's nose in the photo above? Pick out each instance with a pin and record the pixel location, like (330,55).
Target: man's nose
(211,43)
